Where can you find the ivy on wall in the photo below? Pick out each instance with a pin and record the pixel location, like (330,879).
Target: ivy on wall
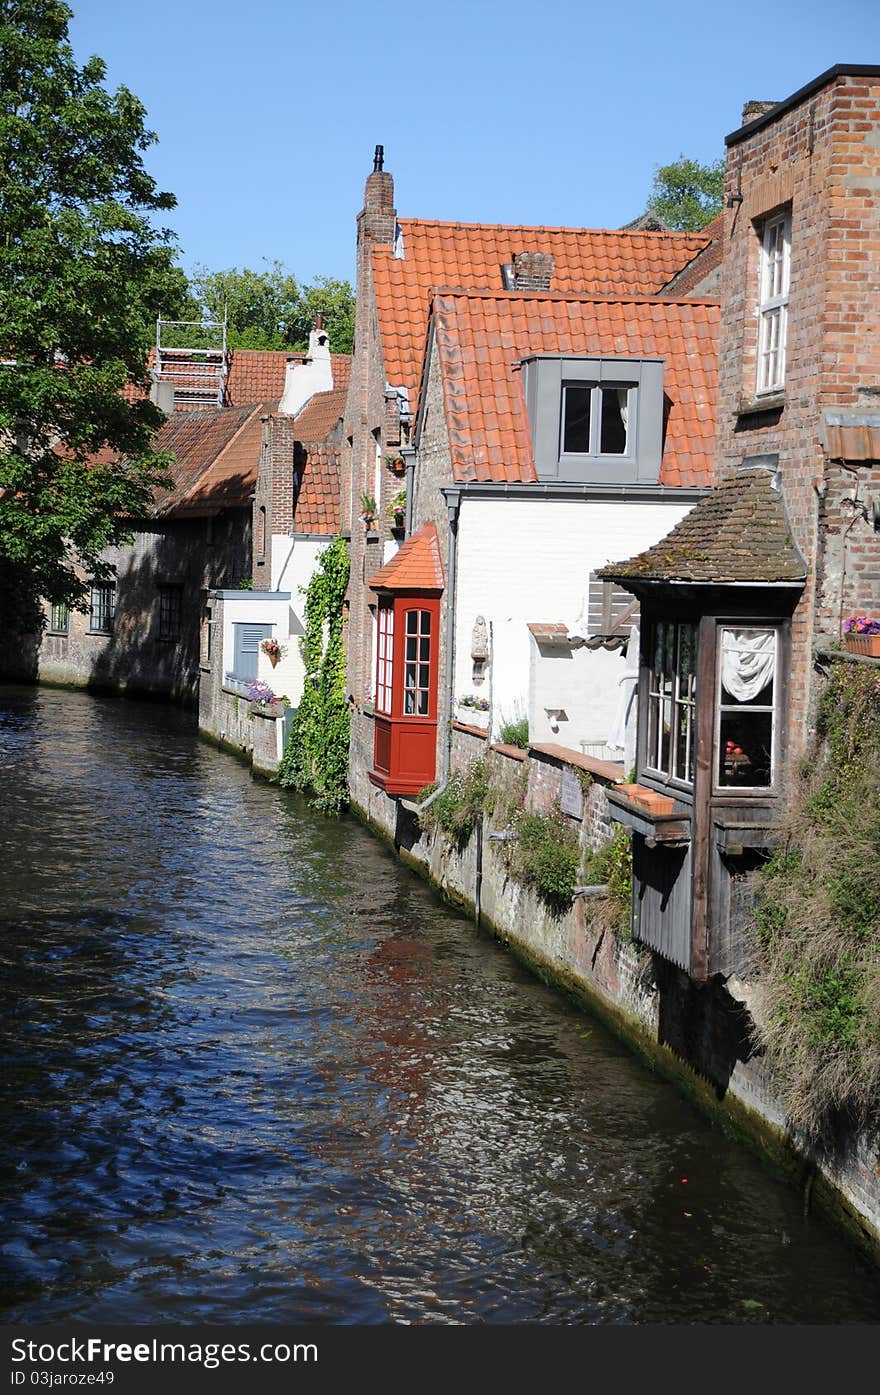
(818,920)
(316,754)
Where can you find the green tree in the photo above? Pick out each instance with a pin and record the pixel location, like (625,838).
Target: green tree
(686,194)
(270,310)
(83,273)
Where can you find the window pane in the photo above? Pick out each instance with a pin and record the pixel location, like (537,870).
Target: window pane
(412,622)
(576,402)
(744,750)
(426,621)
(613,425)
(748,666)
(425,648)
(411,643)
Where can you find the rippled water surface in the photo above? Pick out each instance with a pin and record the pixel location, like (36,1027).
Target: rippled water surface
(253,1070)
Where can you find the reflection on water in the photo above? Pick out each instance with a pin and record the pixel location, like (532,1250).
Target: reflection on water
(253,1070)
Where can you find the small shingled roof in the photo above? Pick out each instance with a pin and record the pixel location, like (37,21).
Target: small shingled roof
(738,533)
(416,566)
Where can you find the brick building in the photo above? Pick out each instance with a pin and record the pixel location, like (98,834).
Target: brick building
(742,594)
(145,628)
(405,414)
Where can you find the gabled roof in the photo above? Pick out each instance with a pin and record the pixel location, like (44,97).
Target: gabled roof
(595,262)
(320,414)
(257,375)
(317,504)
(217,458)
(417,566)
(738,533)
(482,336)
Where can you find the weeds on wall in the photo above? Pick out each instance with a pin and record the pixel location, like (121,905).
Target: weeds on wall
(459,807)
(817,921)
(316,755)
(545,855)
(611,866)
(515,733)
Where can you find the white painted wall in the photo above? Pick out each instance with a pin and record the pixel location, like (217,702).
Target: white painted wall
(522,561)
(293,563)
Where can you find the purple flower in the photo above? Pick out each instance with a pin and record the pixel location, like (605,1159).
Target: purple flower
(258,691)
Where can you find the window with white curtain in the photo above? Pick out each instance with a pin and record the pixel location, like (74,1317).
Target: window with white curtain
(774,280)
(595,418)
(746,717)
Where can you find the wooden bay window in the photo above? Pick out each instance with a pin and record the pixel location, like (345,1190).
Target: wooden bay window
(405,744)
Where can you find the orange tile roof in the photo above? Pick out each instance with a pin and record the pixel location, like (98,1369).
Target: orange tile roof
(594,262)
(217,458)
(480,337)
(257,375)
(320,414)
(318,503)
(417,566)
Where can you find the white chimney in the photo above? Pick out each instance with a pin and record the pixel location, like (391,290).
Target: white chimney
(314,374)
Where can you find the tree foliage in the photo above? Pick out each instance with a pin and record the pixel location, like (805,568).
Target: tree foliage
(686,194)
(83,273)
(271,310)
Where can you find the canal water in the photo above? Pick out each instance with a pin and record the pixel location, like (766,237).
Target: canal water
(253,1070)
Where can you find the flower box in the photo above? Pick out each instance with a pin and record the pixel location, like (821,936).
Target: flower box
(868,645)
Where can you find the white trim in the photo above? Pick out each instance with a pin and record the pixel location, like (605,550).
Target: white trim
(774,280)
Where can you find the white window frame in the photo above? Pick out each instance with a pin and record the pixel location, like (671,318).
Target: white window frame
(596,390)
(774,281)
(384,649)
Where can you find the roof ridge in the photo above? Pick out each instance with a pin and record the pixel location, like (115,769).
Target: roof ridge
(580,297)
(546,228)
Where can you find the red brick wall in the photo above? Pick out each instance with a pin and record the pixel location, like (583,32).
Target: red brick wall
(823,158)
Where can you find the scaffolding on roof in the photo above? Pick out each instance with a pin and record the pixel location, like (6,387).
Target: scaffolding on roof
(191,355)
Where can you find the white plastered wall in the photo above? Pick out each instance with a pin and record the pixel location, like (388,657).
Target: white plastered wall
(293,565)
(522,561)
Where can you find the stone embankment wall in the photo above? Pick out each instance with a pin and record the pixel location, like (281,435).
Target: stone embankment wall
(701,1035)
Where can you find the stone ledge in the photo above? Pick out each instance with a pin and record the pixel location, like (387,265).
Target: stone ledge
(609,770)
(512,752)
(481,732)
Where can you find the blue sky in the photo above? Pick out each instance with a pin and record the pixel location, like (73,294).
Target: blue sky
(267,111)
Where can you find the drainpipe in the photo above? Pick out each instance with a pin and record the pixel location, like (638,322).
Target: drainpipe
(453,503)
(409,458)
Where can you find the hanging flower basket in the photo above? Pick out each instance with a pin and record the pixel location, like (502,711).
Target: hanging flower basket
(273,649)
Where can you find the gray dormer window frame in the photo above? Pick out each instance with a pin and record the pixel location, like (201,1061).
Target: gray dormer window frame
(545,377)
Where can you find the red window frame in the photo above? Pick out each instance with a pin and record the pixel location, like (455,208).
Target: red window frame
(406,674)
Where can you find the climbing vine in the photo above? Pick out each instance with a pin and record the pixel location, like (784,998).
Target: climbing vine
(818,920)
(316,754)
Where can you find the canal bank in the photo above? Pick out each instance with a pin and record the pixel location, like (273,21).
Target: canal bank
(252,1064)
(698,1035)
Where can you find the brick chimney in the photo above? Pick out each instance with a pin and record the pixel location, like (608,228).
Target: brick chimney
(532,271)
(378,216)
(752,110)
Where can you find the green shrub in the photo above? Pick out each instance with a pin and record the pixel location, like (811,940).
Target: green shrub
(545,855)
(461,804)
(516,733)
(817,920)
(611,866)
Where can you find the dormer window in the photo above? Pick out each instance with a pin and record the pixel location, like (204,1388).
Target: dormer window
(595,420)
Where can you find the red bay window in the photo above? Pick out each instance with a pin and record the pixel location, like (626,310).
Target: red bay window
(406,665)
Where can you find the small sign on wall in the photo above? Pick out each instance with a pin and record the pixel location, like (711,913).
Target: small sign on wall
(571,795)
